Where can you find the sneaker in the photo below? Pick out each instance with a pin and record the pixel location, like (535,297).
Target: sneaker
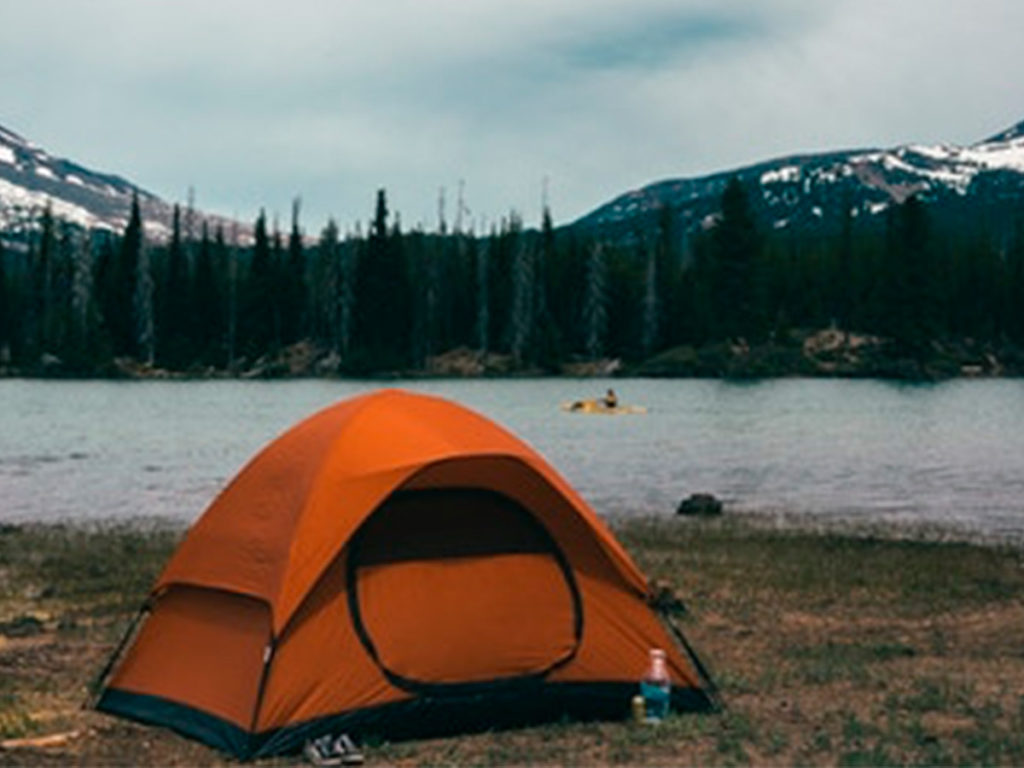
(347,750)
(320,752)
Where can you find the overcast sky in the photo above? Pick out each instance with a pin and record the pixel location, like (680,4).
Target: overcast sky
(252,102)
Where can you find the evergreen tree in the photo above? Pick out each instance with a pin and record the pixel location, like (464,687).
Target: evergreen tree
(232,292)
(325,284)
(62,314)
(145,322)
(1014,296)
(521,311)
(280,294)
(803,285)
(119,309)
(176,315)
(107,248)
(42,305)
(696,292)
(483,301)
(736,249)
(349,256)
(503,242)
(871,271)
(209,311)
(547,343)
(383,317)
(595,305)
(649,324)
(293,286)
(423,263)
(843,292)
(433,260)
(6,310)
(626,283)
(567,271)
(458,281)
(82,351)
(911,303)
(671,308)
(69,246)
(546,254)
(427,257)
(974,303)
(257,310)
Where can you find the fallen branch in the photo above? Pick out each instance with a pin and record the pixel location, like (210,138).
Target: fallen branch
(50,740)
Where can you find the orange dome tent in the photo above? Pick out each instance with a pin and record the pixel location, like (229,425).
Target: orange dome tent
(394,564)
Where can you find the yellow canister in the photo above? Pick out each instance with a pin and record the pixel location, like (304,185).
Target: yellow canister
(638,709)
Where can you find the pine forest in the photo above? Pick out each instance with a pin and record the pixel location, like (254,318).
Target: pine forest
(904,297)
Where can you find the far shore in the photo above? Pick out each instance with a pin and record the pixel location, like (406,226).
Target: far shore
(824,353)
(864,646)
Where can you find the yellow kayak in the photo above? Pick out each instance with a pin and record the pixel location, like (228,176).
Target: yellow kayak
(598,406)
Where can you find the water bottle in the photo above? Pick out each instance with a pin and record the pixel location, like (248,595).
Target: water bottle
(656,688)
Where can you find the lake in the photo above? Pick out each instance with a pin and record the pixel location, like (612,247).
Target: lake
(948,454)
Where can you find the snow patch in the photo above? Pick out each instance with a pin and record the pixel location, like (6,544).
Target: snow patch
(785,175)
(959,165)
(830,175)
(959,176)
(19,198)
(867,157)
(73,179)
(894,163)
(998,156)
(46,173)
(6,155)
(940,152)
(155,230)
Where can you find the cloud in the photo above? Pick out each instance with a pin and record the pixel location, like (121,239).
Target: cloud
(650,43)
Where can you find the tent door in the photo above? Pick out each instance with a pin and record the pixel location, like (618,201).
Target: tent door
(452,588)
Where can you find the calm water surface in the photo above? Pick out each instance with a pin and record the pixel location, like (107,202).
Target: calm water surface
(950,454)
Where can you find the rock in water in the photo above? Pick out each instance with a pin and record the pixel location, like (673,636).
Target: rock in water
(701,504)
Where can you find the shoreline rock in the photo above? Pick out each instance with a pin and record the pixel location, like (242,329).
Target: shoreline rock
(700,505)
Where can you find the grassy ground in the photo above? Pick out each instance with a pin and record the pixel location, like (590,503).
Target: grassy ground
(828,649)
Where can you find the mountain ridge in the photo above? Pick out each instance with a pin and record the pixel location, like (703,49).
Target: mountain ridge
(1013,132)
(800,190)
(32,179)
(810,189)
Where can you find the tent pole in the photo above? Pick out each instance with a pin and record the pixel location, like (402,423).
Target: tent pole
(705,677)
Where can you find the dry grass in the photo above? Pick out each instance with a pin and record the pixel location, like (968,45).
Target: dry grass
(829,649)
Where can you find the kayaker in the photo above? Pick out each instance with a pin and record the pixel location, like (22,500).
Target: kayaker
(610,399)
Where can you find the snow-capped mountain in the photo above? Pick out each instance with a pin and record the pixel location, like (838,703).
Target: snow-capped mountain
(810,192)
(31,179)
